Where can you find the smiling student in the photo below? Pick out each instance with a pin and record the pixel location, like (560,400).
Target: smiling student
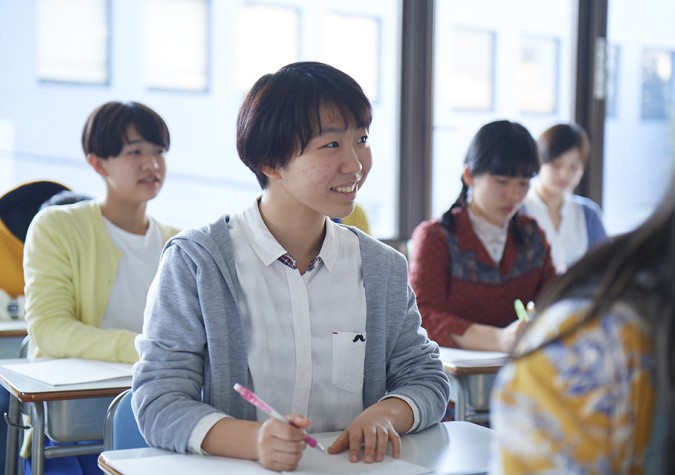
(317,318)
(469,267)
(88,265)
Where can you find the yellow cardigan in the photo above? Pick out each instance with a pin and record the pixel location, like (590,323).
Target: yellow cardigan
(69,268)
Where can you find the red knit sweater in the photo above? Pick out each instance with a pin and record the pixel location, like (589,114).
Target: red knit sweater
(458,284)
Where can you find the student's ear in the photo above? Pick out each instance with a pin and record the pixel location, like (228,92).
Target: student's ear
(467,177)
(97,164)
(271,173)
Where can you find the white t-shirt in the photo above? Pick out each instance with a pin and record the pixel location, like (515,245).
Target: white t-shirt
(570,241)
(135,272)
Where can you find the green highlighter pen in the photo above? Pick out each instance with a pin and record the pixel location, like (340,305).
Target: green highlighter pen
(521,313)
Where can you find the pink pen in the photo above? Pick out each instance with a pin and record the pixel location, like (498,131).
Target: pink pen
(263,406)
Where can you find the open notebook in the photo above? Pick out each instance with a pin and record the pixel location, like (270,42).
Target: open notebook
(59,372)
(470,358)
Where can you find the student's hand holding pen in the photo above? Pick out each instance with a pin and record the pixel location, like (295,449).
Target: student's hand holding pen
(280,444)
(508,335)
(373,430)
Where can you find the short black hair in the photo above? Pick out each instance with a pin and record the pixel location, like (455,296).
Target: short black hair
(104,133)
(282,113)
(560,139)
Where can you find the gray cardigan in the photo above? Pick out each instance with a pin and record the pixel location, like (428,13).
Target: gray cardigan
(193,347)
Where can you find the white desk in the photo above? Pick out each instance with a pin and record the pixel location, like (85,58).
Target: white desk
(448,448)
(37,395)
(12,333)
(471,373)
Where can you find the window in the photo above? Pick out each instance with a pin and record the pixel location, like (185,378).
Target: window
(639,140)
(175,44)
(538,75)
(216,48)
(259,54)
(493,62)
(471,70)
(359,54)
(72,41)
(657,83)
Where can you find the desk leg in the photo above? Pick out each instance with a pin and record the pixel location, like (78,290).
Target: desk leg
(37,452)
(462,397)
(12,452)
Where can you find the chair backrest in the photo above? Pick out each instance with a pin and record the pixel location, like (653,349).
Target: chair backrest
(25,347)
(20,205)
(121,430)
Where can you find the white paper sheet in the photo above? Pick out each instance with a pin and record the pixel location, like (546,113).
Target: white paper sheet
(196,464)
(313,462)
(316,462)
(64,371)
(471,358)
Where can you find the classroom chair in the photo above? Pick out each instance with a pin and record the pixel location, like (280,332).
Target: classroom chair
(17,209)
(120,429)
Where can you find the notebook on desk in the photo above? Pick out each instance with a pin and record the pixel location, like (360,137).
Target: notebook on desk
(63,371)
(470,358)
(313,462)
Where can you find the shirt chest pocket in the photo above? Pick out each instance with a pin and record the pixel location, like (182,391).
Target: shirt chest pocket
(349,354)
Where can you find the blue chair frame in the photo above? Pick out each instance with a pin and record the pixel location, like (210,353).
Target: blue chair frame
(121,429)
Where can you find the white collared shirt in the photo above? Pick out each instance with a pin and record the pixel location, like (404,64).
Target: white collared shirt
(570,241)
(300,363)
(492,236)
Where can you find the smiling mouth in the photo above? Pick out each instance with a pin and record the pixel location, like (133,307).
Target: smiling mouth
(345,189)
(149,179)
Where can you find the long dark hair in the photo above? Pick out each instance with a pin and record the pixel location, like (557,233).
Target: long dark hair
(499,148)
(638,266)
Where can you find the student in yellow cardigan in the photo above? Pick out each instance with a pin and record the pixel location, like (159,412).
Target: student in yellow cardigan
(88,266)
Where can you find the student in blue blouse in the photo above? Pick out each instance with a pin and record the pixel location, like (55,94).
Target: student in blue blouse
(572,223)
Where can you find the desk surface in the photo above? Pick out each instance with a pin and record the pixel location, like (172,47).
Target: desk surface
(30,390)
(13,328)
(460,362)
(447,448)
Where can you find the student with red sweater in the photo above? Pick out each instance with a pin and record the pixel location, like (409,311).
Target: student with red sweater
(470,266)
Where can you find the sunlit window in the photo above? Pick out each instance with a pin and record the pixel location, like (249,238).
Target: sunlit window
(657,83)
(175,44)
(470,79)
(72,40)
(356,54)
(493,62)
(259,54)
(538,75)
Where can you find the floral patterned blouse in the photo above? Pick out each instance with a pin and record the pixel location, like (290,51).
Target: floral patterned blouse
(582,405)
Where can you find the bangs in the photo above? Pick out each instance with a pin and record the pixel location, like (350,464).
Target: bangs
(150,129)
(514,165)
(504,149)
